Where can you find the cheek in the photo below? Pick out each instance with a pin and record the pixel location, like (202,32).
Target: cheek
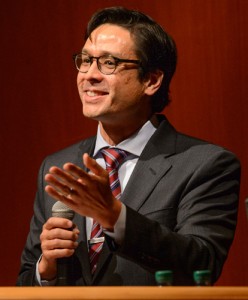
(79,78)
(129,83)
(133,86)
(130,78)
(121,90)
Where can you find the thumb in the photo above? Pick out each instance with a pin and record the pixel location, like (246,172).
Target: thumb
(92,165)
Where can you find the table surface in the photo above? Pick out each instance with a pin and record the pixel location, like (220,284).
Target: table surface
(121,293)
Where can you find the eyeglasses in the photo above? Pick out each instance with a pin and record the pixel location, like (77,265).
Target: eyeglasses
(105,63)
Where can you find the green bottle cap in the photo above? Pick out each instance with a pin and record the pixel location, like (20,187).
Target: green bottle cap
(202,277)
(163,277)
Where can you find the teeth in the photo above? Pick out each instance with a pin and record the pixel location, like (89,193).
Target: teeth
(91,93)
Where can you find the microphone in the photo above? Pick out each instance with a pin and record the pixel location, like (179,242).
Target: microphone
(64,265)
(60,210)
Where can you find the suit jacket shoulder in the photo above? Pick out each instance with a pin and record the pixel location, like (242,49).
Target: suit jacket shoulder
(72,153)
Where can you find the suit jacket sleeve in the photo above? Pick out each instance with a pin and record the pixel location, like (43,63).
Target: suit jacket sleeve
(32,251)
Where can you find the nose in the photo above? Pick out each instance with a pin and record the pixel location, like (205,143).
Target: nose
(93,72)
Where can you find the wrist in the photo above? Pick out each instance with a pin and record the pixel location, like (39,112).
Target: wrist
(47,269)
(119,230)
(110,221)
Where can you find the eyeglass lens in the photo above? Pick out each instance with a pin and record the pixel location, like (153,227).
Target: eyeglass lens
(106,64)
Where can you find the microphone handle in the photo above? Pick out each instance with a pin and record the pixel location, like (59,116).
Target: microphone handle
(65,264)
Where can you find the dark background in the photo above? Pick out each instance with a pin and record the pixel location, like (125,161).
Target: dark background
(41,110)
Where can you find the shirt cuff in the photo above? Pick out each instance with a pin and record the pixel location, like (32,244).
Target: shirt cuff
(119,228)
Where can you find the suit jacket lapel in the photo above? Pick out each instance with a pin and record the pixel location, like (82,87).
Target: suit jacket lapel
(138,189)
(151,166)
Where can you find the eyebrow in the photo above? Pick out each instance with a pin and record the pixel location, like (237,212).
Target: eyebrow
(103,53)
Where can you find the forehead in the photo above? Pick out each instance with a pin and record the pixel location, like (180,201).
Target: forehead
(110,38)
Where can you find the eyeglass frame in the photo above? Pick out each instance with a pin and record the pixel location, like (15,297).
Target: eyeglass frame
(116,59)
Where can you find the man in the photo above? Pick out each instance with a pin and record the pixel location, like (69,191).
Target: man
(177,206)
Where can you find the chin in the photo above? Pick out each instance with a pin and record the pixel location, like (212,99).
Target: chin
(91,114)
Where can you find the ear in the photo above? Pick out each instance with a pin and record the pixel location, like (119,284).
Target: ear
(153,82)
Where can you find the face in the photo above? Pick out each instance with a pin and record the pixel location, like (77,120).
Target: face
(121,96)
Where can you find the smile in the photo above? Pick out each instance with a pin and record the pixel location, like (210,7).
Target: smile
(95,93)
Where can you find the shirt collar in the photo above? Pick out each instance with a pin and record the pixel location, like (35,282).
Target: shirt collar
(134,144)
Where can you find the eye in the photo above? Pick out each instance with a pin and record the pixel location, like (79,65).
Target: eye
(85,59)
(108,62)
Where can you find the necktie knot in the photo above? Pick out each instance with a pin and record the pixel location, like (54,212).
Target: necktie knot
(113,157)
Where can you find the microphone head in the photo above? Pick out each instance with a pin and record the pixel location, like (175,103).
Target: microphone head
(60,210)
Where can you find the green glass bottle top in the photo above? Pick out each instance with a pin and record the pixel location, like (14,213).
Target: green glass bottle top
(202,277)
(164,277)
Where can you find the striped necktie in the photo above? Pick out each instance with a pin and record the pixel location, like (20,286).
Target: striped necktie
(113,157)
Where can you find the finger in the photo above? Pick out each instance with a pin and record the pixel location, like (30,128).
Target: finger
(68,182)
(63,176)
(57,195)
(58,244)
(75,229)
(74,170)
(93,166)
(58,234)
(55,222)
(60,187)
(84,179)
(57,253)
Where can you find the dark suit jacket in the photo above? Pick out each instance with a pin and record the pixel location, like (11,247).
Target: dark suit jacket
(181,201)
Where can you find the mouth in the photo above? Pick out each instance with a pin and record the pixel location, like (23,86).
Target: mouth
(95,93)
